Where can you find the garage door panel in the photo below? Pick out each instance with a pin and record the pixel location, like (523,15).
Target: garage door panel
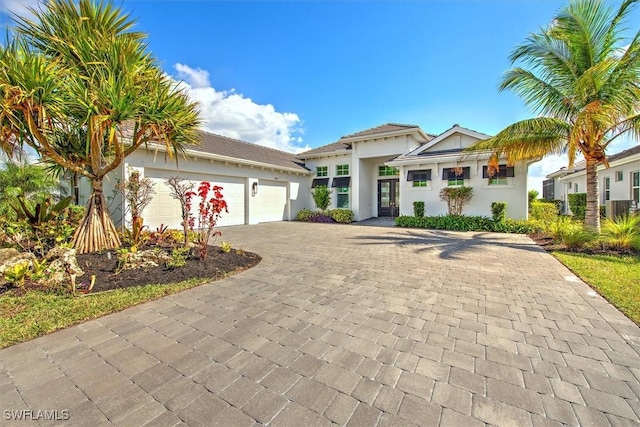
(271,202)
(165,210)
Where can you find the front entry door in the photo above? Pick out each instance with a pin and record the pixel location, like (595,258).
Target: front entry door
(388,197)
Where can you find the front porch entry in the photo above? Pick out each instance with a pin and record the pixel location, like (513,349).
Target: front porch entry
(388,197)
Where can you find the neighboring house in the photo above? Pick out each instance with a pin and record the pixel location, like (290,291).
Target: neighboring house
(620,181)
(378,172)
(260,184)
(381,171)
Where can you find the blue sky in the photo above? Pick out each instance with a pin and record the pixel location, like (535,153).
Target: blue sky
(300,74)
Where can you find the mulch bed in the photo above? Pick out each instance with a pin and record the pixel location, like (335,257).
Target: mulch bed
(547,243)
(217,265)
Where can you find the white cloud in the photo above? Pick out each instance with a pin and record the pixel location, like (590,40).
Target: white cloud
(232,114)
(19,7)
(544,167)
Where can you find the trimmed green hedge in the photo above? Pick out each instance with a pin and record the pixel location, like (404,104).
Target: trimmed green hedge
(343,216)
(465,223)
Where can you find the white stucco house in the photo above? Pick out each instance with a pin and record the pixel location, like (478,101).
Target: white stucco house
(620,181)
(381,171)
(260,184)
(377,172)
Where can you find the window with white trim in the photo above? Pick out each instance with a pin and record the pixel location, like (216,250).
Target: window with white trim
(635,187)
(342,170)
(388,171)
(342,197)
(607,188)
(322,171)
(619,176)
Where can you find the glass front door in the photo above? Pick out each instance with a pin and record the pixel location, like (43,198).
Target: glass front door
(389,197)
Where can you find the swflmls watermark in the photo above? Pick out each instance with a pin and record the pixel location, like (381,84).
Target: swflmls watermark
(32,415)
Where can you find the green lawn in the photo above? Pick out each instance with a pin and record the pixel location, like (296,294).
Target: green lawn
(617,278)
(38,313)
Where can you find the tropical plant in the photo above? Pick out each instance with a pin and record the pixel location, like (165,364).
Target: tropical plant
(622,232)
(210,210)
(322,197)
(304,214)
(343,216)
(456,198)
(31,181)
(572,234)
(583,86)
(532,195)
(578,205)
(178,189)
(137,193)
(498,211)
(79,86)
(225,247)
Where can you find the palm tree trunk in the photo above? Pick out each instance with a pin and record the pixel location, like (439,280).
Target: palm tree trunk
(96,231)
(592,214)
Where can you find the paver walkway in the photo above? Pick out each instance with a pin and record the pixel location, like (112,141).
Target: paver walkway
(349,325)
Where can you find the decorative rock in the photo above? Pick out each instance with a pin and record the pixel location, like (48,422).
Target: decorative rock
(11,262)
(63,265)
(7,253)
(145,259)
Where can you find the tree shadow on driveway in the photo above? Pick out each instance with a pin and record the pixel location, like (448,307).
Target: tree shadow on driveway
(451,245)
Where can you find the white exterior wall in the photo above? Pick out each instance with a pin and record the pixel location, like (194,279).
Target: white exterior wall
(236,180)
(330,162)
(514,193)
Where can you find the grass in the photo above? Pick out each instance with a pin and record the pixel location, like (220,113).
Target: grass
(617,278)
(38,313)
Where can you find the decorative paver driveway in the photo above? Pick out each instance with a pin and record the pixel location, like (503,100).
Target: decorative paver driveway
(348,325)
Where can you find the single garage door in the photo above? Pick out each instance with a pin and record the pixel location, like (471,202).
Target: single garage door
(164,209)
(270,204)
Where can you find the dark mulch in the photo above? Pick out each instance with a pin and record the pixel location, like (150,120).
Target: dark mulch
(547,243)
(217,265)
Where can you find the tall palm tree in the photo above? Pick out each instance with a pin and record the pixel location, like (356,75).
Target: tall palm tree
(78,85)
(583,85)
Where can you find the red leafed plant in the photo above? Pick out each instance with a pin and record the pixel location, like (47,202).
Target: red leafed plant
(209,211)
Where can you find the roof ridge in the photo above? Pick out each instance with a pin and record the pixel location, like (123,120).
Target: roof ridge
(408,126)
(246,142)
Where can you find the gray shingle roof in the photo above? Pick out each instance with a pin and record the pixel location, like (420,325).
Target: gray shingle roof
(212,143)
(388,127)
(336,146)
(344,146)
(626,153)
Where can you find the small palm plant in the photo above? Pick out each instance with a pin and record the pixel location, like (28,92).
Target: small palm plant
(622,232)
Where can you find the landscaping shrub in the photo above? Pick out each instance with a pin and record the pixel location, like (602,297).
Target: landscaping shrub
(498,211)
(343,216)
(532,195)
(456,198)
(418,209)
(578,205)
(622,233)
(571,233)
(464,223)
(322,197)
(546,212)
(320,217)
(304,215)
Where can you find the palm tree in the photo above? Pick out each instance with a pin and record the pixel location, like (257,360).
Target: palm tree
(583,86)
(78,85)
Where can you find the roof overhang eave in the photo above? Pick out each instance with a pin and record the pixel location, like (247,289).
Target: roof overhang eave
(234,160)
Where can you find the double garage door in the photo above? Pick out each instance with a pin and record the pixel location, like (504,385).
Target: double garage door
(269,204)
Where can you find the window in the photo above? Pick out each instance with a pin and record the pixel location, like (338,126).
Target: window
(575,187)
(635,187)
(342,170)
(342,197)
(456,176)
(322,171)
(607,188)
(498,180)
(619,176)
(420,178)
(498,177)
(388,171)
(317,182)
